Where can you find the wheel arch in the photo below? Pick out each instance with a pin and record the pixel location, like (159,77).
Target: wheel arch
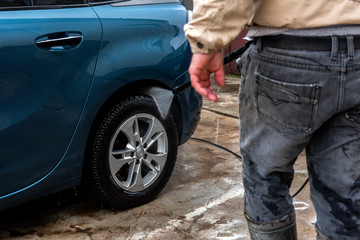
(127,91)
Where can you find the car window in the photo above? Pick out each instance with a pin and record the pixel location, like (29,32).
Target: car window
(59,2)
(14,3)
(21,3)
(101,1)
(133,2)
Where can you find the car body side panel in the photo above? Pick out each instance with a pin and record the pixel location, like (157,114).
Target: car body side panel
(42,90)
(150,36)
(127,56)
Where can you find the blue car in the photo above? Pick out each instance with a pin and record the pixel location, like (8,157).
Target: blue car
(79,100)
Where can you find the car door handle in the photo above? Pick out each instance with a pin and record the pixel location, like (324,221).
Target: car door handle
(59,41)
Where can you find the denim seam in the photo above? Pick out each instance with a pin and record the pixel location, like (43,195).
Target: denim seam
(271,52)
(244,65)
(353,68)
(342,80)
(294,65)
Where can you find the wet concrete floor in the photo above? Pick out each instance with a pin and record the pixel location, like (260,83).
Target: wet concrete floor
(203,199)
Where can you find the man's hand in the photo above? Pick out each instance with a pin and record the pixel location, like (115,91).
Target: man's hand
(202,65)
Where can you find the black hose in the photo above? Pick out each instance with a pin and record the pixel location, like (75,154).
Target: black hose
(216,145)
(301,188)
(238,156)
(237,53)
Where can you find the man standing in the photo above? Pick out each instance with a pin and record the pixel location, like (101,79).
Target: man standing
(300,89)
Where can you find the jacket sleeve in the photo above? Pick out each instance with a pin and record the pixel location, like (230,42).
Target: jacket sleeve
(215,23)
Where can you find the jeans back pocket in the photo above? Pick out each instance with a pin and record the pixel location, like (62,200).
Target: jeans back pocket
(287,107)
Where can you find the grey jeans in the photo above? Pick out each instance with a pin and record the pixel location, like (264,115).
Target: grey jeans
(291,100)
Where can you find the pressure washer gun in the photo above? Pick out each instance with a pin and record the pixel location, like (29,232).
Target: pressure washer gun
(227,59)
(237,53)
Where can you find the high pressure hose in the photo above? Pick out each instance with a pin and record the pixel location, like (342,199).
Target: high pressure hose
(238,156)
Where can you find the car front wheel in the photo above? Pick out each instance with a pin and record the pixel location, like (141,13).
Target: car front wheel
(133,153)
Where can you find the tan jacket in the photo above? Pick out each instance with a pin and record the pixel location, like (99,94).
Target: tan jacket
(217,22)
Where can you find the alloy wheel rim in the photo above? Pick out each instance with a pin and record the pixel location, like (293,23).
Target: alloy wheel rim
(138,152)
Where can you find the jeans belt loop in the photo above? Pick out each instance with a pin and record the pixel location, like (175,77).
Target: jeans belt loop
(334,47)
(259,44)
(350,47)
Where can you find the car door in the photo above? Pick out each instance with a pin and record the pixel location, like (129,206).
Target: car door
(48,52)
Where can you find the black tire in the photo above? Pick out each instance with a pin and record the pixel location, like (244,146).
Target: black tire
(119,156)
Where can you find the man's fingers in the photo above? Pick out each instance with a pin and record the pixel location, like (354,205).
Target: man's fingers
(219,77)
(198,86)
(200,68)
(203,88)
(212,96)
